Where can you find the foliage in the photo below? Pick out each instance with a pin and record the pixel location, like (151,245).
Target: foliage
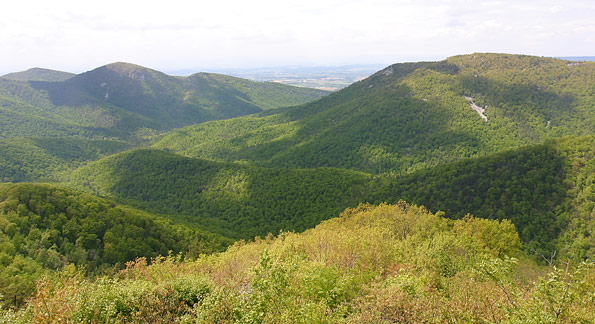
(45,158)
(409,125)
(44,227)
(114,107)
(118,100)
(545,190)
(384,264)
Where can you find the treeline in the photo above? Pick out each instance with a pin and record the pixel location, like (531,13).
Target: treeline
(384,264)
(44,227)
(265,95)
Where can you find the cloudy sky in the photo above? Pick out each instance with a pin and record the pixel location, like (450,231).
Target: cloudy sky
(171,35)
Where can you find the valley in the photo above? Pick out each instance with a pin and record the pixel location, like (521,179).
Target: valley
(130,195)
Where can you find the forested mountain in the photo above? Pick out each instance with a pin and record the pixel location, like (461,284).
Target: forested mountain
(39,74)
(385,264)
(411,116)
(120,99)
(545,190)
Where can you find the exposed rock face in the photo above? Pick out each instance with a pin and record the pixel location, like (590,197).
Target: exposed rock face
(477,108)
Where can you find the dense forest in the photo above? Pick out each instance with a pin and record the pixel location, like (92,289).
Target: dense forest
(25,159)
(542,189)
(235,200)
(44,114)
(44,228)
(117,100)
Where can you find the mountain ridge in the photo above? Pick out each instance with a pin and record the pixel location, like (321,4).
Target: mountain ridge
(412,115)
(39,74)
(130,97)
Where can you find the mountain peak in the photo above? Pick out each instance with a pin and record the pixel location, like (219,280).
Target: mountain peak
(125,68)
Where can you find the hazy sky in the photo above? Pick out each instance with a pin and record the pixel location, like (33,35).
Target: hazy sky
(169,35)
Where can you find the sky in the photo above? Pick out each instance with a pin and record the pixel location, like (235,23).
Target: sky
(168,35)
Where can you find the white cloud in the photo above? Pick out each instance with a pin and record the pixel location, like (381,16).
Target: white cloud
(80,35)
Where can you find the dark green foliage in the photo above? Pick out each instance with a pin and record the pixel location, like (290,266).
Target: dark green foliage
(525,186)
(411,116)
(236,200)
(545,190)
(578,211)
(39,74)
(46,227)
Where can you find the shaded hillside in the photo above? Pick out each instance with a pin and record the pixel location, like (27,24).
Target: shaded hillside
(542,189)
(235,200)
(39,74)
(545,190)
(411,116)
(384,264)
(44,227)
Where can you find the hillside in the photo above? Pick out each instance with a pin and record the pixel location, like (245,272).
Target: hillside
(39,74)
(384,264)
(411,116)
(44,227)
(546,190)
(236,200)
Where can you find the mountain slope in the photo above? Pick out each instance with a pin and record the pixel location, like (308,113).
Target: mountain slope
(126,98)
(120,103)
(412,115)
(546,190)
(39,74)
